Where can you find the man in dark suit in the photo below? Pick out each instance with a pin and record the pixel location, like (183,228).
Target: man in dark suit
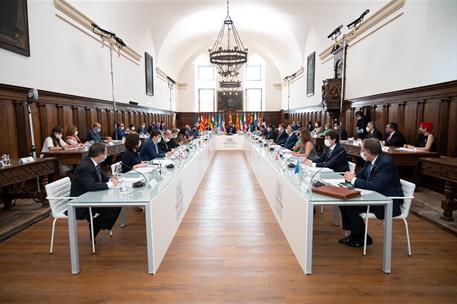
(378,174)
(340,130)
(271,133)
(282,136)
(373,132)
(120,132)
(88,176)
(334,156)
(231,129)
(95,133)
(166,144)
(291,139)
(150,149)
(361,126)
(393,138)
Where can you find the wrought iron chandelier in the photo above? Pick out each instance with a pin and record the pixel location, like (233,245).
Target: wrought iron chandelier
(233,55)
(230,83)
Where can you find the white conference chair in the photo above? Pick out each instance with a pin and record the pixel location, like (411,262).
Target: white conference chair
(58,195)
(408,192)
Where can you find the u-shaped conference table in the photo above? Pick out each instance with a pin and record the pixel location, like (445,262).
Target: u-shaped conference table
(167,197)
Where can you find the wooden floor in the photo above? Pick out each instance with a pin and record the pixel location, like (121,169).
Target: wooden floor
(228,249)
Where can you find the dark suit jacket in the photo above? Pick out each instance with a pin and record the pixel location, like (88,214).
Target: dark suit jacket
(85,179)
(150,151)
(93,136)
(397,140)
(163,146)
(120,134)
(375,134)
(282,137)
(384,179)
(337,161)
(272,135)
(130,159)
(291,141)
(231,130)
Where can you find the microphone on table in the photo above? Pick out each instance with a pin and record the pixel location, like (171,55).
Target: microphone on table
(326,164)
(138,183)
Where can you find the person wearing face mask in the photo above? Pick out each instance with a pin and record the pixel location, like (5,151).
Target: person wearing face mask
(341,131)
(327,128)
(96,133)
(151,150)
(426,141)
(88,176)
(271,133)
(291,138)
(72,138)
(361,126)
(165,144)
(131,157)
(317,129)
(120,132)
(392,137)
(378,174)
(54,142)
(143,130)
(282,135)
(334,156)
(373,132)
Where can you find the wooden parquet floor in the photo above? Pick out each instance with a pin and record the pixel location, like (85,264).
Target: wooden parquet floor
(229,249)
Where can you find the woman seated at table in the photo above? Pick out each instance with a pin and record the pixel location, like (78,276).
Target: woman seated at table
(317,128)
(131,157)
(426,141)
(306,146)
(327,128)
(72,138)
(54,142)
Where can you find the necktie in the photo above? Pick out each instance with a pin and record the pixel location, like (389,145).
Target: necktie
(155,146)
(370,169)
(99,174)
(329,153)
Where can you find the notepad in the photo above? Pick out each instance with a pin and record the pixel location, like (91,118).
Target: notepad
(145,169)
(333,181)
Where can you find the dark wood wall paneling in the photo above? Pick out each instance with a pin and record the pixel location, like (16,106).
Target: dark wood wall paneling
(55,109)
(436,103)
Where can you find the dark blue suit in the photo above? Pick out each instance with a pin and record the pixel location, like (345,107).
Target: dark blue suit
(130,159)
(383,178)
(120,134)
(291,141)
(337,160)
(150,150)
(281,140)
(94,136)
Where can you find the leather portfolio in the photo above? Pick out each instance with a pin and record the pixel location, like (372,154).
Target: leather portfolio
(337,192)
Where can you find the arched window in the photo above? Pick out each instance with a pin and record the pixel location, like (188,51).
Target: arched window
(205,85)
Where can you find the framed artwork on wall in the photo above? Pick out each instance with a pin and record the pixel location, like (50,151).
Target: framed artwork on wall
(14,27)
(149,74)
(310,74)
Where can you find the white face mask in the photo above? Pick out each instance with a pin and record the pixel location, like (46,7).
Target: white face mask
(139,143)
(76,133)
(327,143)
(167,140)
(58,136)
(159,140)
(175,135)
(362,155)
(368,129)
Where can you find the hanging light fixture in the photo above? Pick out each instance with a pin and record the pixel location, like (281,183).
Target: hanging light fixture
(228,53)
(230,84)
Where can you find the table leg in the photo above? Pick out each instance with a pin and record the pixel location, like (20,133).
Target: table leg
(387,252)
(123,217)
(73,237)
(149,238)
(6,198)
(336,213)
(447,204)
(309,239)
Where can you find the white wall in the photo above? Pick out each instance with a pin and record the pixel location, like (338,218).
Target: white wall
(186,96)
(417,49)
(65,60)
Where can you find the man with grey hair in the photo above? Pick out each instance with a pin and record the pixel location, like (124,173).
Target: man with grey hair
(373,132)
(378,174)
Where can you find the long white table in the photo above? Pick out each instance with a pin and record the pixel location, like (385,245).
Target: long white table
(165,204)
(293,206)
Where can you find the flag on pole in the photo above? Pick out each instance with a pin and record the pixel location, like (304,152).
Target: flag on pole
(237,122)
(195,119)
(230,118)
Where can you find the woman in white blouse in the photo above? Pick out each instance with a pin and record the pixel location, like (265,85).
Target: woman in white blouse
(54,142)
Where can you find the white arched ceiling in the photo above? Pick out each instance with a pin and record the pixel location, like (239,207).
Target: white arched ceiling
(259,25)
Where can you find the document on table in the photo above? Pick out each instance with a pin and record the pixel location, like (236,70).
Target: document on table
(333,181)
(145,169)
